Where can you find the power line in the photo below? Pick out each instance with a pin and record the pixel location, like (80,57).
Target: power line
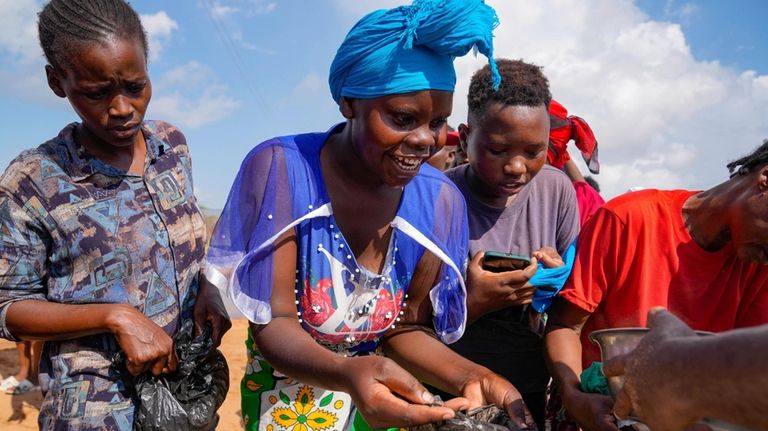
(234,55)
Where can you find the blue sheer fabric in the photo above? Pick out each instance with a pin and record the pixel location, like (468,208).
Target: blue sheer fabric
(280,187)
(412,48)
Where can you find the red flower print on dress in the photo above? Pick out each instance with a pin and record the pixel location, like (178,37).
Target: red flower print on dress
(386,310)
(316,304)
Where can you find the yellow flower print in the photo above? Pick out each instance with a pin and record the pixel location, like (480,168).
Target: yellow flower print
(304,416)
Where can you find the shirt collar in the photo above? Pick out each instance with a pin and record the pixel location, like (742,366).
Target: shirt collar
(80,165)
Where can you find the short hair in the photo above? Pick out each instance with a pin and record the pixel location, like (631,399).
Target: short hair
(745,164)
(592,182)
(522,84)
(65,25)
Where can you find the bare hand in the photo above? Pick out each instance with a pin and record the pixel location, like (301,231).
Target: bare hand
(210,308)
(593,412)
(649,390)
(488,291)
(388,396)
(494,389)
(145,344)
(549,257)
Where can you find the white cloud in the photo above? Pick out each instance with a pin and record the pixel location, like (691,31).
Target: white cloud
(18,30)
(159,27)
(662,118)
(228,22)
(180,98)
(181,95)
(21,58)
(220,11)
(312,85)
(682,12)
(212,105)
(357,8)
(237,36)
(238,8)
(186,75)
(260,7)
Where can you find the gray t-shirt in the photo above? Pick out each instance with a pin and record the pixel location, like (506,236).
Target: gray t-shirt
(544,213)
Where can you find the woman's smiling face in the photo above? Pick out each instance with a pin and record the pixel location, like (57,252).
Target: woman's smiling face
(394,135)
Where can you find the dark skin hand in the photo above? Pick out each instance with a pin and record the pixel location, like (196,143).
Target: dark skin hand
(210,308)
(591,411)
(359,163)
(722,376)
(563,353)
(489,291)
(665,389)
(146,345)
(384,392)
(421,353)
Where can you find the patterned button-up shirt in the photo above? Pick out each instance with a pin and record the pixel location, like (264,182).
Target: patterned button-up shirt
(75,230)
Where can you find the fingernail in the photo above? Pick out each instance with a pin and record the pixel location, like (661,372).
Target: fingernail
(427,397)
(447,416)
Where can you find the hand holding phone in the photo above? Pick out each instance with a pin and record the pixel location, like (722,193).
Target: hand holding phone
(496,261)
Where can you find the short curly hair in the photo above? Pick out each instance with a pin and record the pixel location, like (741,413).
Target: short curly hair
(522,84)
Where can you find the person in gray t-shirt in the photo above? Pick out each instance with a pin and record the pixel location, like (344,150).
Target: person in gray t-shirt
(516,205)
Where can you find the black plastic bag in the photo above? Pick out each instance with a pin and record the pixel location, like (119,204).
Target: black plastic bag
(188,398)
(485,418)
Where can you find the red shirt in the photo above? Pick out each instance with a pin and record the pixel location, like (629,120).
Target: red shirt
(635,254)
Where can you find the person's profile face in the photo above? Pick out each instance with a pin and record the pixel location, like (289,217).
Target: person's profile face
(749,231)
(506,148)
(394,135)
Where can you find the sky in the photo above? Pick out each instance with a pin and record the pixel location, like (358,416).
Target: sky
(673,90)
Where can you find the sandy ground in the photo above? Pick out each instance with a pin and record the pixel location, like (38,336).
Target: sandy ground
(20,412)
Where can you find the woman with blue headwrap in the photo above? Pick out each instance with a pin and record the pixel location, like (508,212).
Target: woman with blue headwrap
(342,245)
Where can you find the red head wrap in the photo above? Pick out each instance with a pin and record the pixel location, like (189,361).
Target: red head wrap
(574,128)
(452,138)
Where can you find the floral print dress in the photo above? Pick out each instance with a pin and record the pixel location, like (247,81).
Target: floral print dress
(344,306)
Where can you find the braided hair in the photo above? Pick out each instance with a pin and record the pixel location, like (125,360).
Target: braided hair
(522,84)
(745,164)
(65,25)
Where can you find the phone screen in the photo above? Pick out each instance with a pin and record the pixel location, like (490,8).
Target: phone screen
(501,262)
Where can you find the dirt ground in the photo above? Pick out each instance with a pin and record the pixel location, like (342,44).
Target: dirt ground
(20,412)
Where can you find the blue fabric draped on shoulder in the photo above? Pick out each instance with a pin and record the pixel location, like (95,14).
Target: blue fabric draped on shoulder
(279,186)
(411,48)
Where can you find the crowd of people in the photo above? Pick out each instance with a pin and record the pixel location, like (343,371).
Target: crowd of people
(358,253)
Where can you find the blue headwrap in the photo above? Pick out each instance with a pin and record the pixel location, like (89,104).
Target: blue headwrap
(411,48)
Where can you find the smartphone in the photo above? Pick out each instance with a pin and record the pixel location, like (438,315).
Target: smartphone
(496,261)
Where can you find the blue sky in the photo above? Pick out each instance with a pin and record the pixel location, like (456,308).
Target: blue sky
(729,32)
(672,89)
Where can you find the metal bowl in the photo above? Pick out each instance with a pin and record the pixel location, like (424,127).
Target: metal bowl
(614,342)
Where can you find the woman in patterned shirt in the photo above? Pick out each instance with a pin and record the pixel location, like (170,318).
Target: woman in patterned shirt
(101,238)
